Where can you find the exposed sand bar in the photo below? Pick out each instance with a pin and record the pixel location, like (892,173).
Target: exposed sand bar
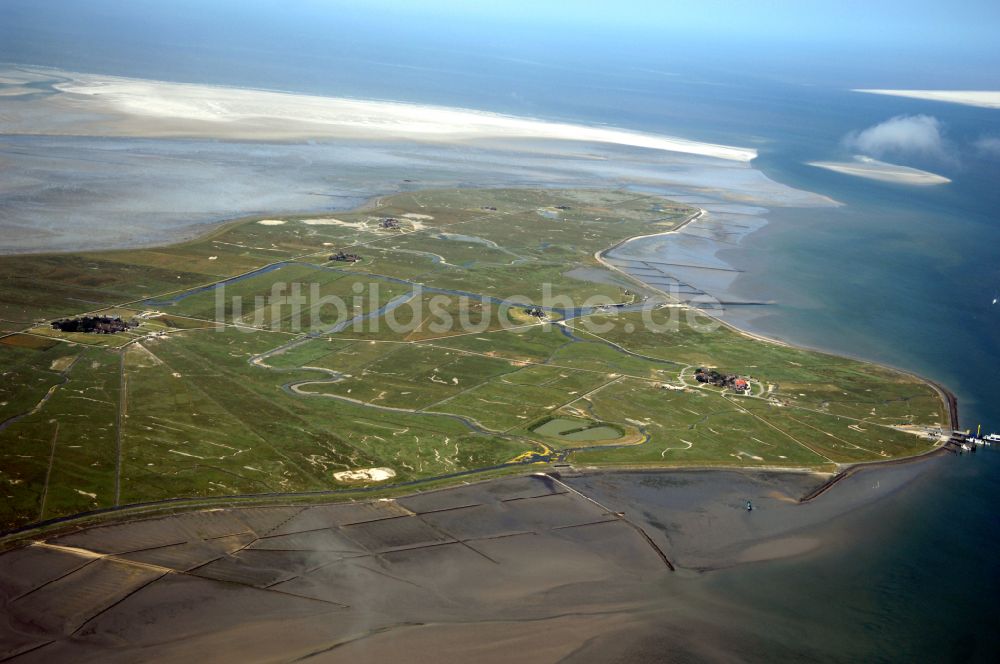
(866,167)
(981,98)
(156,109)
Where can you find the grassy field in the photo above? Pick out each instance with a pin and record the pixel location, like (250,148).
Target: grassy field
(420,358)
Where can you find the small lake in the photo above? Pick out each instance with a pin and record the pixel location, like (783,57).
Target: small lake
(577,430)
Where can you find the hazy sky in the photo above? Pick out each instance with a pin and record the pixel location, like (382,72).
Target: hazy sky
(848,43)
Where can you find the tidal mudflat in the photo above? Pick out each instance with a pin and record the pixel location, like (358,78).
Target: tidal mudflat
(555,568)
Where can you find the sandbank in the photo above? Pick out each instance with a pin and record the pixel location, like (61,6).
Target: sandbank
(980,98)
(138,107)
(866,167)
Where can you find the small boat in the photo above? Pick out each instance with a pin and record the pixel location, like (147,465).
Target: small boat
(966,447)
(992,438)
(749,506)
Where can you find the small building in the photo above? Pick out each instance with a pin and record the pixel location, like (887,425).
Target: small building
(713,377)
(534,311)
(342,257)
(388,223)
(94,324)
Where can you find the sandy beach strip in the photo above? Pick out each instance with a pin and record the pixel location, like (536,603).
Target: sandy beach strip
(866,167)
(158,109)
(980,98)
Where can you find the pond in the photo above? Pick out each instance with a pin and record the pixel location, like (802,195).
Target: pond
(577,430)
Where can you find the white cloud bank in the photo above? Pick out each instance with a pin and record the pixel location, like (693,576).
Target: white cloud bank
(915,135)
(989,145)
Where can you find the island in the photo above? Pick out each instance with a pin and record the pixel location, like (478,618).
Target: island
(426,339)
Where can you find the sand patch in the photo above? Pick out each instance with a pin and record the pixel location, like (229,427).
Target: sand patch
(414,215)
(330,221)
(62,363)
(365,475)
(873,169)
(271,222)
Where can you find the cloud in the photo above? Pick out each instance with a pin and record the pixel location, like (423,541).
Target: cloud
(903,135)
(989,146)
